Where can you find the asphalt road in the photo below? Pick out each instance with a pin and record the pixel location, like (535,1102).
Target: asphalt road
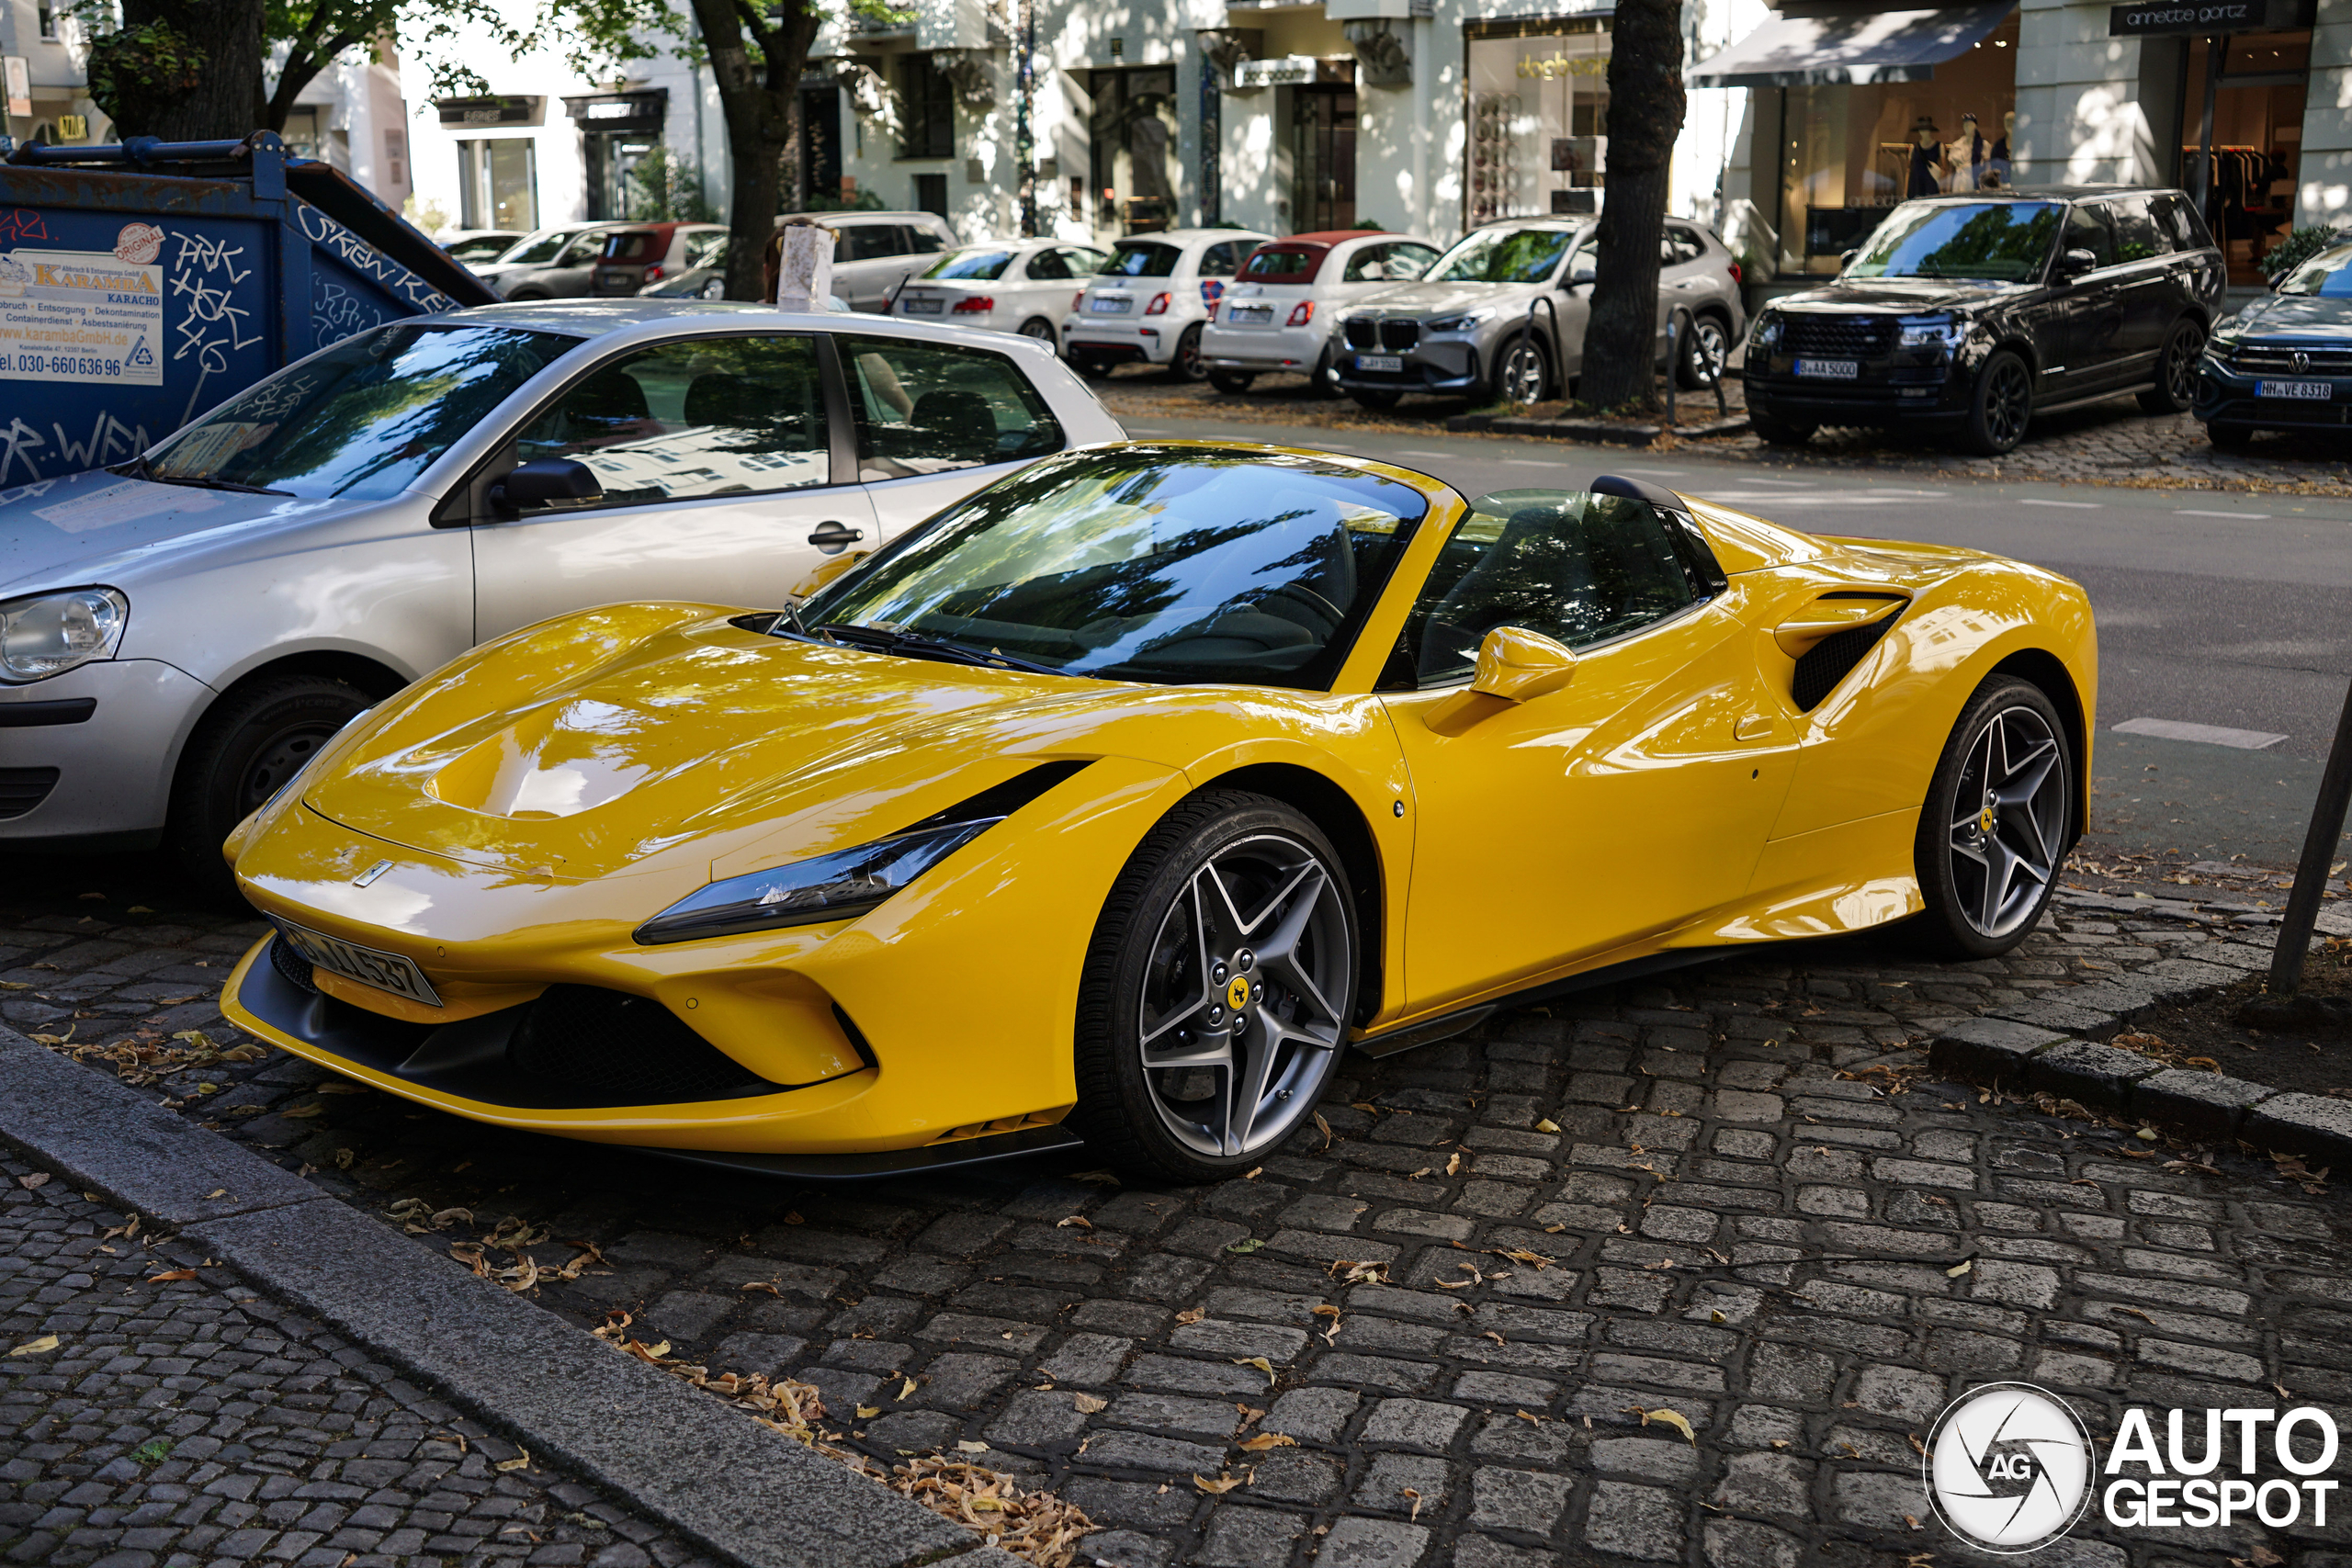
(2225,610)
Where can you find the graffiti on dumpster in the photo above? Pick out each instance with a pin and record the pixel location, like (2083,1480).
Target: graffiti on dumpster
(362,258)
(205,273)
(111,441)
(19,224)
(337,313)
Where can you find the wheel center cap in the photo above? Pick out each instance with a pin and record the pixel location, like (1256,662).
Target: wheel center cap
(1986,820)
(1237,993)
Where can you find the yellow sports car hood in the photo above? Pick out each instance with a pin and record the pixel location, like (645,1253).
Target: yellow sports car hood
(580,747)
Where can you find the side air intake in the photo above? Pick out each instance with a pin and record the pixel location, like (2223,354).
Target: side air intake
(1828,661)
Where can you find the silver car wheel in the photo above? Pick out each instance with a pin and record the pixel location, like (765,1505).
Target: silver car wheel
(2005,849)
(1521,377)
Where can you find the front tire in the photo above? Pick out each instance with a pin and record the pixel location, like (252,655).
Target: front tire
(1376,402)
(1522,375)
(1186,364)
(2000,406)
(251,743)
(1216,992)
(2175,385)
(1231,381)
(1706,353)
(1993,834)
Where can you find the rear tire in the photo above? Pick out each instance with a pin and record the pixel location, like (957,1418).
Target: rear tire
(1377,402)
(1993,834)
(242,753)
(2000,406)
(1321,381)
(1231,381)
(1774,431)
(1042,329)
(1202,1042)
(1185,364)
(2175,385)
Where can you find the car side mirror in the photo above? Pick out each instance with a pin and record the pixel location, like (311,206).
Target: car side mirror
(2073,263)
(1582,275)
(547,484)
(1516,664)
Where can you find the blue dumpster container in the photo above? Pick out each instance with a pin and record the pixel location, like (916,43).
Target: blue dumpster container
(141,285)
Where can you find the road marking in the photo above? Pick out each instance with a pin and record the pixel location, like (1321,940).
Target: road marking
(2074,505)
(2209,734)
(1408,452)
(2185,511)
(1658,473)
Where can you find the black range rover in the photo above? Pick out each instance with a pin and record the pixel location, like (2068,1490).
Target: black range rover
(1972,312)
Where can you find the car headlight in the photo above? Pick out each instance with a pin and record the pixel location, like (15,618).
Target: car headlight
(1765,336)
(837,886)
(1460,324)
(1927,332)
(49,634)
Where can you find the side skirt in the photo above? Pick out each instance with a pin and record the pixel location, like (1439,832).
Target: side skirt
(1389,1042)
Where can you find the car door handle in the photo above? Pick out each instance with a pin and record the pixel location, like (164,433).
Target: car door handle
(1754,727)
(834,537)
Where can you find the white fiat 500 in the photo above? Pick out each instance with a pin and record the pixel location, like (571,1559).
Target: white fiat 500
(1009,285)
(179,634)
(1152,298)
(1278,314)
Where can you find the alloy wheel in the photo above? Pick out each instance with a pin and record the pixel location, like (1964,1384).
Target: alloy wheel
(2005,849)
(1234,1029)
(2181,373)
(1710,349)
(1038,328)
(1522,380)
(2008,401)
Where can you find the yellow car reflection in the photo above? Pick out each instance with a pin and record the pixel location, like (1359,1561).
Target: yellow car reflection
(1115,802)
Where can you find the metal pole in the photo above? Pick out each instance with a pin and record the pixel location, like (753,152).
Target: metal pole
(2319,853)
(2217,50)
(1024,136)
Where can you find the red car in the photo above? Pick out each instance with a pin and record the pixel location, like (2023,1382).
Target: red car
(647,252)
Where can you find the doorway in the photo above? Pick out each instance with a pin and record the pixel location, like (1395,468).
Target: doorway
(2257,141)
(1323,157)
(1132,151)
(613,157)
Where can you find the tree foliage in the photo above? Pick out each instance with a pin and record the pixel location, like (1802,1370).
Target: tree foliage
(183,70)
(316,33)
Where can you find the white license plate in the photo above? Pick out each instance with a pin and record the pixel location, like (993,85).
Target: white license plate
(923,306)
(1830,369)
(2313,392)
(385,971)
(1250,316)
(1103,306)
(1392,363)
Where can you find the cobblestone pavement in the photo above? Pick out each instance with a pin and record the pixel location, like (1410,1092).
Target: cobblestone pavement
(2108,443)
(1668,1196)
(194,1421)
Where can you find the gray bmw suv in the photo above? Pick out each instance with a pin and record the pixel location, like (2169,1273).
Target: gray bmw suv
(1462,328)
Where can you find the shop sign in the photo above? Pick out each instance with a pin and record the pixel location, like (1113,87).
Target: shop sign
(21,85)
(619,111)
(2207,17)
(1283,71)
(1561,65)
(461,113)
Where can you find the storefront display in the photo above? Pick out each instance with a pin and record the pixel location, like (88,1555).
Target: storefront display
(1538,120)
(2257,136)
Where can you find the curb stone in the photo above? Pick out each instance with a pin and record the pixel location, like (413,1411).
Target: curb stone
(665,1449)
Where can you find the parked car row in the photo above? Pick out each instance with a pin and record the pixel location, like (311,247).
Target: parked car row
(876,254)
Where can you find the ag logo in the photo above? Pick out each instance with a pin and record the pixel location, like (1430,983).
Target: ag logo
(2008,1468)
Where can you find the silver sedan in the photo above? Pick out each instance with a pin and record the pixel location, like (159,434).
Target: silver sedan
(179,634)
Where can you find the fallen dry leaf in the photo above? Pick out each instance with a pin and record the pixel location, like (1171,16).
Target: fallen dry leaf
(1221,1486)
(522,1461)
(1325,1128)
(969,1446)
(907,1389)
(1261,1363)
(1453,1162)
(1673,1419)
(1408,1492)
(41,1346)
(1265,1440)
(1075,1220)
(1962,1266)
(1100,1177)
(868,1412)
(170,1274)
(1545,1125)
(37,1179)
(1247,1245)
(1192,1315)
(1087,1403)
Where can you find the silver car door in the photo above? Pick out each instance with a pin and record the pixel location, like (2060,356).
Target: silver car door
(936,421)
(716,462)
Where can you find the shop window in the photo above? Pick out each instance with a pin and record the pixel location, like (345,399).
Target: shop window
(1132,149)
(930,193)
(50,18)
(498,184)
(1850,153)
(1539,107)
(927,110)
(820,144)
(1323,158)
(2258,98)
(923,408)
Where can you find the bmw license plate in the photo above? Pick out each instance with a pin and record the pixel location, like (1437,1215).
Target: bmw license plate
(2313,391)
(385,971)
(923,306)
(1109,305)
(1250,316)
(1392,363)
(1830,369)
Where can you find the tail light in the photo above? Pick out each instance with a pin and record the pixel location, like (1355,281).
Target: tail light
(1158,306)
(1302,313)
(974,305)
(653,274)
(1735,272)
(1078,302)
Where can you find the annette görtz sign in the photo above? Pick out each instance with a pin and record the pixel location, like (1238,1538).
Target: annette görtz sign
(2206,17)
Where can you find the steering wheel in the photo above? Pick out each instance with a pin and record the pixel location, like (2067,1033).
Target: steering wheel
(1322,608)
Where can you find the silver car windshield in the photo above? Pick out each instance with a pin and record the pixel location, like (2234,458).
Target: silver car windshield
(366,417)
(1503,254)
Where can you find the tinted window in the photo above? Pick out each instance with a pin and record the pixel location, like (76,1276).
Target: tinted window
(1145,259)
(717,416)
(2137,236)
(1290,263)
(541,251)
(1368,264)
(1504,254)
(1406,261)
(1148,565)
(2003,242)
(1580,568)
(867,242)
(1048,266)
(483,248)
(633,245)
(2087,229)
(924,243)
(922,408)
(583,250)
(1679,247)
(1219,261)
(2177,217)
(980,265)
(368,416)
(705,247)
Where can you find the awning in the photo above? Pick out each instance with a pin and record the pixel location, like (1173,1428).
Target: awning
(1855,48)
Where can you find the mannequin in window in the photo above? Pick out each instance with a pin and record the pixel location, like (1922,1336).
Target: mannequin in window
(1997,159)
(1965,156)
(1927,159)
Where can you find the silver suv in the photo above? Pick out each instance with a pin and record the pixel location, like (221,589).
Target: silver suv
(1463,328)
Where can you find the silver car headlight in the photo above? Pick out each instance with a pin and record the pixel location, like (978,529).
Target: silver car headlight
(1463,322)
(48,633)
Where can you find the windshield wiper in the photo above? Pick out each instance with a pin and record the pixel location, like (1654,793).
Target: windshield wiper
(920,647)
(140,469)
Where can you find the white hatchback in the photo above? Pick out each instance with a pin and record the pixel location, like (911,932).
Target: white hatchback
(1152,298)
(1008,285)
(1279,313)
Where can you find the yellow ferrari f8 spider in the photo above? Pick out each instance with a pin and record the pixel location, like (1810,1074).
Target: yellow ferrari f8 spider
(1114,802)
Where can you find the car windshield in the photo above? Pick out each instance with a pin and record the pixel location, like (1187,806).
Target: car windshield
(535,250)
(1503,255)
(1131,259)
(2328,274)
(1993,242)
(981,264)
(366,417)
(1155,564)
(481,247)
(633,245)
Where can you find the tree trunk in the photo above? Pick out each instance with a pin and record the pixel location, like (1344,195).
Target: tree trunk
(759,82)
(219,101)
(1646,104)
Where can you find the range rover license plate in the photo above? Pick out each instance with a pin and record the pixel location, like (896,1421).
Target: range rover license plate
(1392,363)
(1830,369)
(385,971)
(2313,391)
